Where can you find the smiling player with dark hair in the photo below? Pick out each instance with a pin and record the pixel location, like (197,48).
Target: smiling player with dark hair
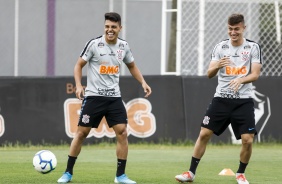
(104,56)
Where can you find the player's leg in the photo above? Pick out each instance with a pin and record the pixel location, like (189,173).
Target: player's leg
(81,134)
(117,119)
(246,151)
(243,125)
(215,122)
(245,155)
(199,150)
(121,152)
(121,148)
(90,116)
(201,143)
(75,149)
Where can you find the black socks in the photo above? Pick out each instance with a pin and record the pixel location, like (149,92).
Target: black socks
(194,164)
(120,167)
(242,167)
(71,162)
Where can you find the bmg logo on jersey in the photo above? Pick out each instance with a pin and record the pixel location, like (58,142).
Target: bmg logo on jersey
(141,121)
(229,70)
(108,69)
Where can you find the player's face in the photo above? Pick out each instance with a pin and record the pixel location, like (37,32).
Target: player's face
(235,33)
(112,30)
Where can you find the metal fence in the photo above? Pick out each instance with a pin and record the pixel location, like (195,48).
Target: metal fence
(204,23)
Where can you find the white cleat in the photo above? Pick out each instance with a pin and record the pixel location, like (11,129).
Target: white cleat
(185,177)
(124,180)
(241,179)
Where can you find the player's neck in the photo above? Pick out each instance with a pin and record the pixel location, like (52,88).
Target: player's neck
(237,42)
(111,42)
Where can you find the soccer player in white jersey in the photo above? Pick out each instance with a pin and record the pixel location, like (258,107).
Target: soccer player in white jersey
(104,56)
(237,61)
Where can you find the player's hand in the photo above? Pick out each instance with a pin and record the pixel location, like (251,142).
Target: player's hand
(147,89)
(235,84)
(79,92)
(225,61)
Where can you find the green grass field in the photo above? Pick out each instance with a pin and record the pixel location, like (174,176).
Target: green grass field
(147,164)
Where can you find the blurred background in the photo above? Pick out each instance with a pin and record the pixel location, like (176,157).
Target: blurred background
(45,37)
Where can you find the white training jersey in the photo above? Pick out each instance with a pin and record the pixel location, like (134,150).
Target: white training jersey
(104,63)
(241,58)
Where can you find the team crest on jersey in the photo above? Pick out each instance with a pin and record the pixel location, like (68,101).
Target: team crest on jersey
(206,120)
(119,54)
(245,55)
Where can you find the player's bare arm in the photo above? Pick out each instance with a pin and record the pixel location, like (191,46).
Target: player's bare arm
(135,72)
(77,77)
(216,65)
(253,76)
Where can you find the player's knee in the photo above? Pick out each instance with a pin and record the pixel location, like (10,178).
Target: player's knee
(204,137)
(205,134)
(81,134)
(122,137)
(247,142)
(247,139)
(122,132)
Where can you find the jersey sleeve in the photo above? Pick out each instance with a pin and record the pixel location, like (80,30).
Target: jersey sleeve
(256,54)
(88,51)
(215,56)
(128,58)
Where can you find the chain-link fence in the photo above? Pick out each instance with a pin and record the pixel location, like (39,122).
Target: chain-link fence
(204,23)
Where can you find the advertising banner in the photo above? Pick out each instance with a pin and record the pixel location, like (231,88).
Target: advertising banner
(45,110)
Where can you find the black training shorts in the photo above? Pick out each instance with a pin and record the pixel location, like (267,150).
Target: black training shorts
(94,108)
(223,111)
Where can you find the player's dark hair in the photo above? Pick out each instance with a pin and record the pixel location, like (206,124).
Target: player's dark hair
(113,16)
(236,18)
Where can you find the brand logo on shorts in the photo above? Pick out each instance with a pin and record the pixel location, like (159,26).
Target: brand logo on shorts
(85,119)
(262,114)
(206,120)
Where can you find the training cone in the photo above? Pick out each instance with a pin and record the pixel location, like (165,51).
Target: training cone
(227,172)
